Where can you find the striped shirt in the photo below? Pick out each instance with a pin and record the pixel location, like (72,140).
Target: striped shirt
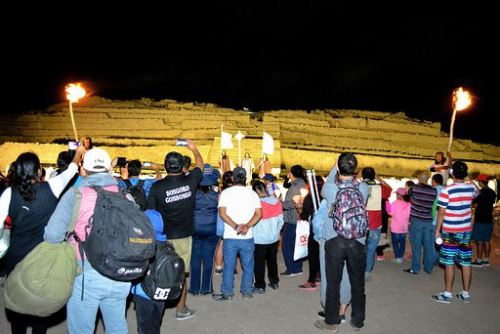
(422,199)
(457,200)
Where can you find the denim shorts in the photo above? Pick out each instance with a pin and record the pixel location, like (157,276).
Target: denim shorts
(456,248)
(482,232)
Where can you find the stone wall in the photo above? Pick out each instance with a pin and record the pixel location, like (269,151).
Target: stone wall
(147,129)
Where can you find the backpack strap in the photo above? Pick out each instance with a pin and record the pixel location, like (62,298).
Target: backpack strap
(74,216)
(128,183)
(141,183)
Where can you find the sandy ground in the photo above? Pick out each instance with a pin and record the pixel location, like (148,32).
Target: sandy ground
(396,303)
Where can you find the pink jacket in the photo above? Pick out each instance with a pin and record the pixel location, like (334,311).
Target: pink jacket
(400,212)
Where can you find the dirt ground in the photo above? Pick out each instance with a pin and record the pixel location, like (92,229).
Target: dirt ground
(396,303)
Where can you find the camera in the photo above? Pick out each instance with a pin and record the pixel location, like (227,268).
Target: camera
(121,161)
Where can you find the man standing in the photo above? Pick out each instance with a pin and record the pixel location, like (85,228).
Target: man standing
(454,218)
(422,200)
(340,249)
(483,221)
(174,198)
(291,208)
(240,209)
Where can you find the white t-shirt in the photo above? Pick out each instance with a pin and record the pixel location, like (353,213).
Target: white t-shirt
(240,203)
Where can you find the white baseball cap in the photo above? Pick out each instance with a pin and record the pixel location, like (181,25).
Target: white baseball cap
(97,160)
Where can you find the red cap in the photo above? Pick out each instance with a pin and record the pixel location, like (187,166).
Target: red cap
(483,178)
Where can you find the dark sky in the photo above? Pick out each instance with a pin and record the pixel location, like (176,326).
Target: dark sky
(275,56)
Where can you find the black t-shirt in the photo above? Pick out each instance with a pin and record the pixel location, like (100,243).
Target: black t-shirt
(174,197)
(484,210)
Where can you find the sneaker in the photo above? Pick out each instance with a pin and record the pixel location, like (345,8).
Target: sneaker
(184,314)
(477,264)
(321,314)
(463,299)
(354,326)
(342,318)
(220,297)
(259,291)
(274,286)
(486,263)
(410,271)
(397,260)
(308,286)
(380,258)
(247,295)
(321,324)
(287,274)
(442,298)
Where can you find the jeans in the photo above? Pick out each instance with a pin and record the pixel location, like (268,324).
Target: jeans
(421,236)
(230,250)
(399,244)
(202,256)
(345,285)
(99,293)
(338,250)
(266,254)
(149,315)
(372,241)
(292,266)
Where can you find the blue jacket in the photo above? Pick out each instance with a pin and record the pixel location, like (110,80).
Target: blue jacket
(267,230)
(157,221)
(205,212)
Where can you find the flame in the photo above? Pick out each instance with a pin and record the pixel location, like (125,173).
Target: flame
(461,99)
(74,92)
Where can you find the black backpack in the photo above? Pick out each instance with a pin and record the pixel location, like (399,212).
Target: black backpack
(165,276)
(121,240)
(137,193)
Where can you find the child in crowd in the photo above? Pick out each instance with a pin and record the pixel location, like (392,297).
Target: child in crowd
(400,213)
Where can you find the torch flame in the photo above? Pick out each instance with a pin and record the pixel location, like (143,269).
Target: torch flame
(461,99)
(74,92)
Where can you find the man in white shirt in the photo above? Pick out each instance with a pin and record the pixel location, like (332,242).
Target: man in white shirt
(240,208)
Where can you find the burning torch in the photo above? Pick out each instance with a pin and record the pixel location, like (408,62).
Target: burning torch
(74,92)
(461,100)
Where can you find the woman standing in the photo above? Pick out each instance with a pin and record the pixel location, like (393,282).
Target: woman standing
(30,203)
(205,237)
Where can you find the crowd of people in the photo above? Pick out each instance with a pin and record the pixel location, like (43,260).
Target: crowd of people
(215,218)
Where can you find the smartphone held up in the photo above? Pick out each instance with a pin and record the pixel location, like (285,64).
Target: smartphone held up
(181,142)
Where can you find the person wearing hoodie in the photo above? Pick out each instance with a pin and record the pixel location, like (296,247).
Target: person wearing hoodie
(266,234)
(91,291)
(149,313)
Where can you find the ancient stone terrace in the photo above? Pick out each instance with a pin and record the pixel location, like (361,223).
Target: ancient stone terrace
(391,142)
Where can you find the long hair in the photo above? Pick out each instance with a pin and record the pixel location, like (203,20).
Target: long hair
(27,168)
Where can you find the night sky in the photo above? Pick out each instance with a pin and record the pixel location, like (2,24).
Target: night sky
(276,56)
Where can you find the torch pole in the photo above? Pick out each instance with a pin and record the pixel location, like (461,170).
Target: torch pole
(239,151)
(73,120)
(452,125)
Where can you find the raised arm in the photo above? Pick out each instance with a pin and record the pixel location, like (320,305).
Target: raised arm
(198,159)
(58,183)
